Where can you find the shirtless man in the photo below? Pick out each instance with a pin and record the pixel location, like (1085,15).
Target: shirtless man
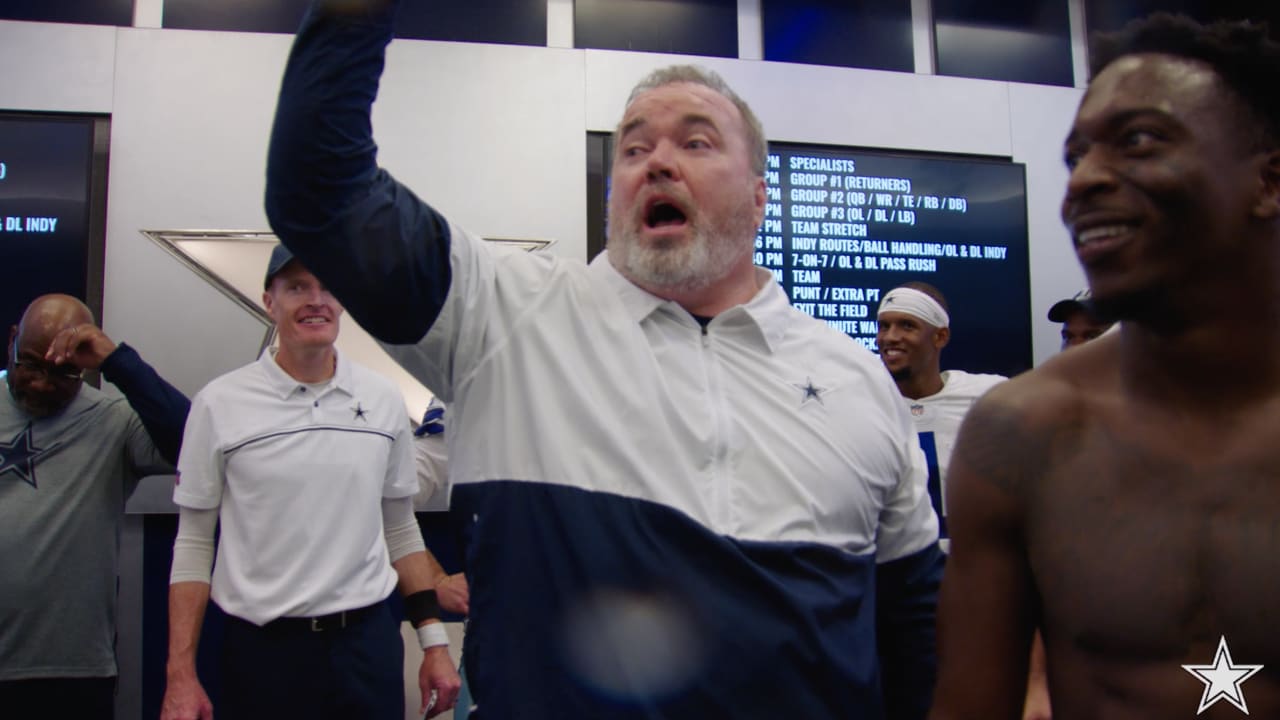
(1125,496)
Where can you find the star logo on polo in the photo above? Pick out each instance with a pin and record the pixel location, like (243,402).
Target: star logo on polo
(19,456)
(359,412)
(1222,679)
(811,392)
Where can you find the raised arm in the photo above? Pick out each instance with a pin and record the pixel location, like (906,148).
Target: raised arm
(989,605)
(161,407)
(380,250)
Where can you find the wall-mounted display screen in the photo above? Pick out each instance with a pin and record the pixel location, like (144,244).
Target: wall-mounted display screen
(845,225)
(50,211)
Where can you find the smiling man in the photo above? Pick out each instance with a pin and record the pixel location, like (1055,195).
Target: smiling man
(1124,496)
(304,458)
(685,498)
(913,325)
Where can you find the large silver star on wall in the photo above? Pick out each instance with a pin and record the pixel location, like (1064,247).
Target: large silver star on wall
(233,263)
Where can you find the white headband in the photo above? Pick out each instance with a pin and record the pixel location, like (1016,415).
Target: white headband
(913,302)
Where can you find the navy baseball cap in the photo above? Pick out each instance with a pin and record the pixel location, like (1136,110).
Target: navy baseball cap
(280,257)
(1080,302)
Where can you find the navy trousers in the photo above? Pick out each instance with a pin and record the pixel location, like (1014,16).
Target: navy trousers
(285,669)
(58,699)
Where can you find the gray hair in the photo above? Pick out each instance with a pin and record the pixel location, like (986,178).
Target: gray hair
(757,146)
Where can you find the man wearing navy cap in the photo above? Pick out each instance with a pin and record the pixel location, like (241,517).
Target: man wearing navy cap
(305,459)
(1080,321)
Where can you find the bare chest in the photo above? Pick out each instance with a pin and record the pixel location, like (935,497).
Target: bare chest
(1149,540)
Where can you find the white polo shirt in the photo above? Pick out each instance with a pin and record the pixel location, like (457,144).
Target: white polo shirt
(299,477)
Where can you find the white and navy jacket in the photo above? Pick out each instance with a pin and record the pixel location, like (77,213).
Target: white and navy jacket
(665,520)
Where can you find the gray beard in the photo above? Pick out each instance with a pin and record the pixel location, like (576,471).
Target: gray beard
(690,267)
(708,257)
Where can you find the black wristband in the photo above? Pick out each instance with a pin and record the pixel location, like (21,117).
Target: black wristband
(421,607)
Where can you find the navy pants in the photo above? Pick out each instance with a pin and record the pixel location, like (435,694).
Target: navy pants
(286,670)
(58,699)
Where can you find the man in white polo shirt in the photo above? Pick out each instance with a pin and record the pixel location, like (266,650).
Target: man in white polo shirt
(305,459)
(913,327)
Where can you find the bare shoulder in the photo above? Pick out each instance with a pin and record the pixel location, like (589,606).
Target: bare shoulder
(1014,429)
(1059,390)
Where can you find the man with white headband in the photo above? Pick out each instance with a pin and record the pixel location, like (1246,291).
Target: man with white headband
(914,326)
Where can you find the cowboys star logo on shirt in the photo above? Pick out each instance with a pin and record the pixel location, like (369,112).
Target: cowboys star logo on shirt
(810,391)
(359,412)
(20,455)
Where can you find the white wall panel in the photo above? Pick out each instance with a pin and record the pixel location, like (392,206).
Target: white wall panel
(56,67)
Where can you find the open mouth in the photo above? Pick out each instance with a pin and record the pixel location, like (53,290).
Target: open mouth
(314,320)
(662,214)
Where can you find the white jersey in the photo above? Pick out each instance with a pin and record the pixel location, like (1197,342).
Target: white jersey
(937,418)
